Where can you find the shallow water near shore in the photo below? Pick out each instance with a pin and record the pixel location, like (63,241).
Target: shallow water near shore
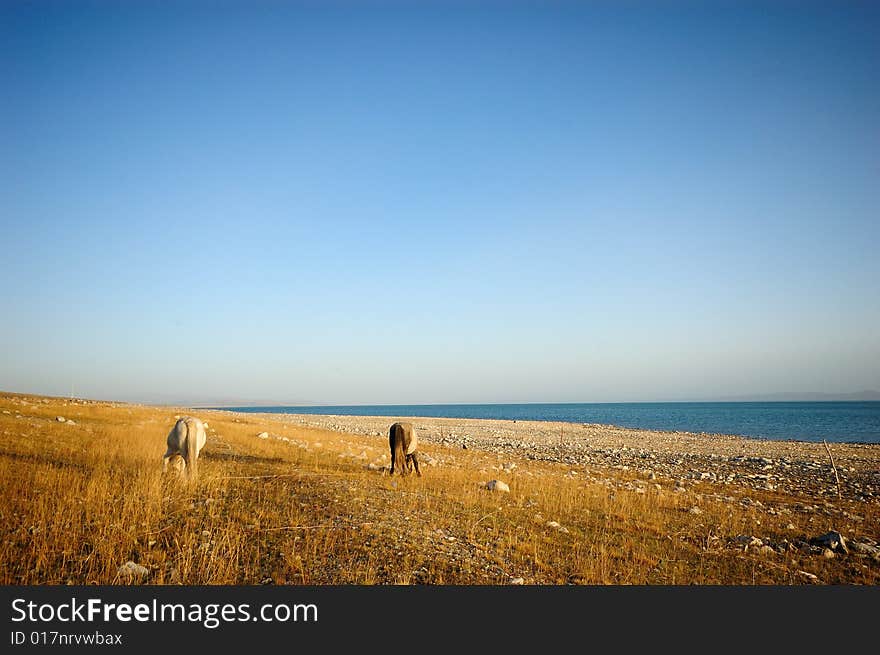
(857,422)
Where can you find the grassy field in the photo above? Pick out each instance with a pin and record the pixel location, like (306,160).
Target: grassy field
(305,506)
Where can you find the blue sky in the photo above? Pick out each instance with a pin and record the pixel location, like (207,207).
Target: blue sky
(446,202)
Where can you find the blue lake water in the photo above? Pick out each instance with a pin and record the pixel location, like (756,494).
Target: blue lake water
(803,421)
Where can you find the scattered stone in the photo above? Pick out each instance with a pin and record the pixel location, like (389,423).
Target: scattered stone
(749,541)
(132,571)
(517,581)
(497,485)
(828,553)
(374,467)
(808,575)
(832,540)
(263,435)
(555,525)
(865,548)
(695,510)
(60,419)
(70,421)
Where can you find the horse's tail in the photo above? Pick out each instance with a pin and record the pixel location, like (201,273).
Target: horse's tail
(398,449)
(192,448)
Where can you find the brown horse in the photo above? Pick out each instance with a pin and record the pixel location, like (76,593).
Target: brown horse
(403,441)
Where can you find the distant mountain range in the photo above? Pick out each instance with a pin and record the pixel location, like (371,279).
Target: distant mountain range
(791,396)
(788,396)
(248,403)
(794,396)
(207,401)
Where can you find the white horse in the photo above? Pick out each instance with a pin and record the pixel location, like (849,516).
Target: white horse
(185,440)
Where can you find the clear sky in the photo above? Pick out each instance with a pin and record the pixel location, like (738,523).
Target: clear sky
(371,202)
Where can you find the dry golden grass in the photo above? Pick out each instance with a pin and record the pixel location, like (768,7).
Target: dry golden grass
(79,501)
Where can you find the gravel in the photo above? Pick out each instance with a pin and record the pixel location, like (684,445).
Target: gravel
(679,458)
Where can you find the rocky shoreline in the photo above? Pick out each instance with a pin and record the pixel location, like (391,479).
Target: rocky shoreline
(791,467)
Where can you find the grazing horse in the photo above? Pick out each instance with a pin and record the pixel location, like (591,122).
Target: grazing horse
(403,441)
(185,440)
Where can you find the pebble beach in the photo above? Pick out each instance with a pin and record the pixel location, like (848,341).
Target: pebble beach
(794,467)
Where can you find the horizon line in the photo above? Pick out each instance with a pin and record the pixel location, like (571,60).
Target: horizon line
(866,395)
(726,399)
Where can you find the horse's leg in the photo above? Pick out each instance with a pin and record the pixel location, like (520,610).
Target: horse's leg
(415,461)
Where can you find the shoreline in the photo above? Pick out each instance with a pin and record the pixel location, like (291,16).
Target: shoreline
(764,464)
(832,439)
(390,418)
(789,466)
